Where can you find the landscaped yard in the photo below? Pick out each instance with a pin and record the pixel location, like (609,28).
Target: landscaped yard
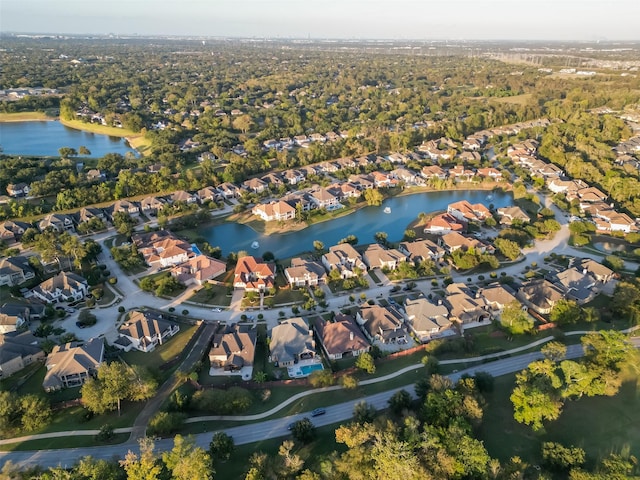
(163,353)
(288,295)
(211,294)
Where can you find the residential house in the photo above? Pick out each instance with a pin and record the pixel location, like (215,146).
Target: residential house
(271,211)
(95,175)
(466,212)
(13,316)
(328,167)
(454,241)
(470,157)
(64,287)
(383,324)
(154,168)
(162,248)
(577,285)
(254,275)
(383,180)
(427,320)
(70,365)
(234,349)
(144,331)
(229,190)
(407,176)
(198,270)
(305,273)
(180,196)
(340,338)
(18,350)
(346,162)
(58,222)
(12,231)
(151,205)
(443,224)
(293,177)
(291,341)
(497,296)
(15,271)
(597,270)
(568,187)
(272,179)
(124,206)
(421,250)
(509,215)
(317,137)
(323,198)
(539,295)
(344,190)
(254,185)
(376,256)
(86,214)
(433,171)
(210,194)
(345,259)
(18,189)
(461,174)
(464,306)
(362,182)
(490,172)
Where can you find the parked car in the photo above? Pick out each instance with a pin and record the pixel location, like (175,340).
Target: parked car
(216,309)
(80,325)
(318,411)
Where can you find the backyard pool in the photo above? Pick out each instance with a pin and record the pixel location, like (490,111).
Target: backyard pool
(301,371)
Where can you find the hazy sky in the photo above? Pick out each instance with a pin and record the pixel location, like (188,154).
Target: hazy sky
(420,19)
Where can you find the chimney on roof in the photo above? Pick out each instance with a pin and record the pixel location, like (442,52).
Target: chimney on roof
(584,271)
(351,336)
(439,301)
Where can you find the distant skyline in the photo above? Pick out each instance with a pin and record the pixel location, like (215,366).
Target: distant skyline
(584,20)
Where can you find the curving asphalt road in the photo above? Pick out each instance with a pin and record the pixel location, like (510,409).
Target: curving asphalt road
(275,428)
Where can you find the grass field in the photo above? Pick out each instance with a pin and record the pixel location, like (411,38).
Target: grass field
(212,295)
(23,117)
(522,99)
(599,425)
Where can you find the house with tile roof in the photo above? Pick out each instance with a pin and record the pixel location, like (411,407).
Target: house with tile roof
(71,364)
(274,211)
(466,212)
(291,341)
(12,231)
(144,331)
(427,320)
(323,198)
(510,214)
(345,259)
(64,287)
(376,256)
(17,351)
(383,324)
(540,295)
(198,270)
(444,223)
(305,273)
(58,222)
(253,274)
(464,306)
(162,248)
(15,271)
(234,349)
(341,338)
(421,250)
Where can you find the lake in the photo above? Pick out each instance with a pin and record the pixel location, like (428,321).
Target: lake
(363,223)
(45,138)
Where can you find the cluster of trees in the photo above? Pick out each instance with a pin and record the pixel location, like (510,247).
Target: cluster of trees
(22,413)
(114,383)
(161,285)
(54,246)
(545,385)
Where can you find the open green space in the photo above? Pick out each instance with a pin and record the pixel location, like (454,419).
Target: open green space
(211,294)
(599,425)
(23,116)
(59,443)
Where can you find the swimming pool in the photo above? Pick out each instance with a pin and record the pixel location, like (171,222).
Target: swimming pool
(195,249)
(307,369)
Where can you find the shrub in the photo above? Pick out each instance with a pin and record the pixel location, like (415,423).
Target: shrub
(164,423)
(105,434)
(113,280)
(223,402)
(172,309)
(121,309)
(185,312)
(321,378)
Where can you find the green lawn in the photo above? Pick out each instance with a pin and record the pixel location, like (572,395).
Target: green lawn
(288,295)
(57,443)
(163,353)
(599,425)
(211,294)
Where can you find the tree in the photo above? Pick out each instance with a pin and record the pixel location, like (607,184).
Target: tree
(66,152)
(349,382)
(303,430)
(124,223)
(221,446)
(560,458)
(366,363)
(532,405)
(565,312)
(614,263)
(381,238)
(185,461)
(554,351)
(508,248)
(400,401)
(373,197)
(364,412)
(318,246)
(321,378)
(516,320)
(144,467)
(84,150)
(35,411)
